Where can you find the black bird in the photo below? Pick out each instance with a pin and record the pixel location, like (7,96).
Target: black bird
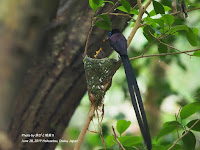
(119,44)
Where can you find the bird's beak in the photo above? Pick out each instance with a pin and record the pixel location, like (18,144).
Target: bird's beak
(106,39)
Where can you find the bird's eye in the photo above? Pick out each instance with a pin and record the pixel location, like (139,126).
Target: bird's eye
(110,33)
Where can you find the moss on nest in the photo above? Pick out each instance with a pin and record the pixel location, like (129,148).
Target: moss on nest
(99,73)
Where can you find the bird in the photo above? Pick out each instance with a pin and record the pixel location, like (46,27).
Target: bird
(119,43)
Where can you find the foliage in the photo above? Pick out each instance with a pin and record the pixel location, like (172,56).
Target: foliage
(126,141)
(122,125)
(189,139)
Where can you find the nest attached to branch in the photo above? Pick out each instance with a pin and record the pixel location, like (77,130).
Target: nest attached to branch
(99,73)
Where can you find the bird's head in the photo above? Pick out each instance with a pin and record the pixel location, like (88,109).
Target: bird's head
(113,32)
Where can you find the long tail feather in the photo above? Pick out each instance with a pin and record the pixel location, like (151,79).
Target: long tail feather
(136,100)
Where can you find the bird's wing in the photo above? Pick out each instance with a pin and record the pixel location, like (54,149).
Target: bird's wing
(119,43)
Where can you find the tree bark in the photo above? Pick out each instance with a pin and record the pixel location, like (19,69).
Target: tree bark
(53,78)
(20,34)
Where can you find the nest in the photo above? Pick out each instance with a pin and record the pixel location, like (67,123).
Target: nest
(99,73)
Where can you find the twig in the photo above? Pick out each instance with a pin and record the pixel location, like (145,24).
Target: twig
(139,3)
(89,35)
(184,134)
(102,115)
(101,132)
(163,54)
(166,35)
(181,119)
(189,10)
(119,14)
(176,116)
(114,6)
(153,40)
(117,139)
(134,7)
(135,148)
(142,9)
(85,127)
(158,39)
(93,131)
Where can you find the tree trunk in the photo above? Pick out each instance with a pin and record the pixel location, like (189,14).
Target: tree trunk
(52,69)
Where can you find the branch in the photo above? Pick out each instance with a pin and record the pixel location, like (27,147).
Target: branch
(147,4)
(119,14)
(117,139)
(142,9)
(89,35)
(114,6)
(153,40)
(164,54)
(139,3)
(85,127)
(184,134)
(100,126)
(169,46)
(176,116)
(189,10)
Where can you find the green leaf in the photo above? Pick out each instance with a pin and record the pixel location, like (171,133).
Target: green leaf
(168,19)
(109,2)
(157,31)
(121,8)
(159,22)
(192,38)
(189,110)
(189,141)
(168,127)
(130,140)
(133,24)
(178,28)
(152,13)
(167,8)
(158,7)
(95,4)
(195,30)
(122,125)
(197,53)
(104,25)
(196,127)
(134,11)
(148,20)
(126,5)
(146,33)
(110,141)
(105,18)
